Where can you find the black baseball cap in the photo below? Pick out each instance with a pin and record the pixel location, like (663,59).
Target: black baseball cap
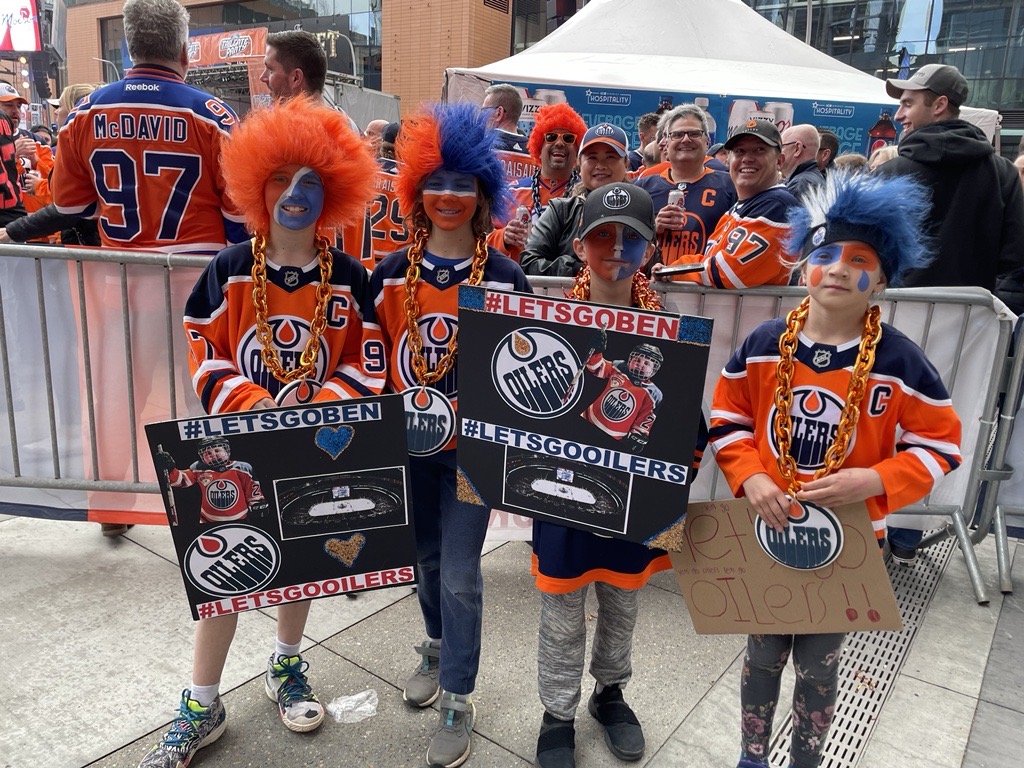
(943,79)
(390,132)
(765,130)
(714,149)
(619,204)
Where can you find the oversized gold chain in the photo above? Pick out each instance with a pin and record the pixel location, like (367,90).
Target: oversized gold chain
(307,361)
(782,425)
(412,309)
(641,295)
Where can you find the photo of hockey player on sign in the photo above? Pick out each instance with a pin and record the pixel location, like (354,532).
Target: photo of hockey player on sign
(627,407)
(228,489)
(341,503)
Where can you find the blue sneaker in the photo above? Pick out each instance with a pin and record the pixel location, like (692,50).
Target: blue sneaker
(194,728)
(286,684)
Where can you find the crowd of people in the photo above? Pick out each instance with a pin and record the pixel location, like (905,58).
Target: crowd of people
(298,211)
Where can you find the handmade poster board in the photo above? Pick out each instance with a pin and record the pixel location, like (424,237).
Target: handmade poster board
(732,586)
(578,413)
(274,506)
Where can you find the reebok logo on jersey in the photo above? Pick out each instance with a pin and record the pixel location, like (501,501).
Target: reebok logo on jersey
(141,87)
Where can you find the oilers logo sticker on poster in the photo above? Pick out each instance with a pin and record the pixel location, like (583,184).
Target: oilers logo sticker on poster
(813,539)
(561,417)
(815,418)
(232,560)
(533,370)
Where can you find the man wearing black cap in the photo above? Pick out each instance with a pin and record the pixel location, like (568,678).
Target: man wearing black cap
(748,245)
(977,216)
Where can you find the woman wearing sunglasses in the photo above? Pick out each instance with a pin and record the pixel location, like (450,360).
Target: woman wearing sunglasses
(602,160)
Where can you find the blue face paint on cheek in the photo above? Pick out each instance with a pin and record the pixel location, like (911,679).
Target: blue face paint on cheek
(302,202)
(633,249)
(864,283)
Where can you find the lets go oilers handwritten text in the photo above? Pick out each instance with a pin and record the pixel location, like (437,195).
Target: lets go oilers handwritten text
(732,587)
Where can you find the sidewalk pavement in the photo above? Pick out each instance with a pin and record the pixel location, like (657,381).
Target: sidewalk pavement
(98,639)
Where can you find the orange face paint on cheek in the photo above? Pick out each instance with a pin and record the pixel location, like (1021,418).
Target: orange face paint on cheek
(814,276)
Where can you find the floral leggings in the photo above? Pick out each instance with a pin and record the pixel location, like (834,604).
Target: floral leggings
(816,660)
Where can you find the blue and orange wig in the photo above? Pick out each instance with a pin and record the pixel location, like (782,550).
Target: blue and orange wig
(450,137)
(887,213)
(299,131)
(552,118)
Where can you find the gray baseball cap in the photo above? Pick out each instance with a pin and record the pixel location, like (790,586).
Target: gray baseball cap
(943,79)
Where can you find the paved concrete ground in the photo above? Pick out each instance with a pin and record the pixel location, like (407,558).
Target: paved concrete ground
(97,644)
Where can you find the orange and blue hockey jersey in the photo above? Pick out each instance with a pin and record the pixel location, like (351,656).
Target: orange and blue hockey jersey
(225,494)
(10,191)
(908,431)
(523,195)
(707,200)
(514,155)
(220,321)
(747,248)
(143,155)
(382,230)
(437,294)
(623,408)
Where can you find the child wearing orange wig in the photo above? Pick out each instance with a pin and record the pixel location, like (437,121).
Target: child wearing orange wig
(554,145)
(277,320)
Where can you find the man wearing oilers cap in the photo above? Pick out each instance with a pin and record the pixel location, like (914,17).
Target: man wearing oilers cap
(549,249)
(977,212)
(748,245)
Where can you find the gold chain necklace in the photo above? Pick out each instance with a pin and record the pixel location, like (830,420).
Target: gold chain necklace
(782,425)
(641,294)
(307,361)
(412,309)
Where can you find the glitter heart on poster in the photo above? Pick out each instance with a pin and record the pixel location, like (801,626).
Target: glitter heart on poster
(345,550)
(334,440)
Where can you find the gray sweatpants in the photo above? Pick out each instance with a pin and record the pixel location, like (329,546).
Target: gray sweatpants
(562,645)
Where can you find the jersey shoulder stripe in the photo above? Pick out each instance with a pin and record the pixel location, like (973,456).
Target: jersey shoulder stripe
(771,206)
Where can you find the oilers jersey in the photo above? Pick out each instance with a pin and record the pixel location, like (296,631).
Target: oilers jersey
(143,155)
(382,230)
(747,248)
(522,195)
(224,353)
(10,191)
(623,408)
(707,200)
(437,294)
(224,494)
(907,431)
(514,155)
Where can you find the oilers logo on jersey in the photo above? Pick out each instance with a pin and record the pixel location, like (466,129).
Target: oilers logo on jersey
(815,420)
(221,495)
(617,404)
(436,330)
(290,337)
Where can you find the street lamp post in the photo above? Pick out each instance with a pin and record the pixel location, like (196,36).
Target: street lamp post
(112,65)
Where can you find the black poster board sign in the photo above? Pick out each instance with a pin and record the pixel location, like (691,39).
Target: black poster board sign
(578,413)
(274,506)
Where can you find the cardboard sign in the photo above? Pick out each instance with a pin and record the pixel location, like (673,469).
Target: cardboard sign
(275,506)
(578,413)
(732,586)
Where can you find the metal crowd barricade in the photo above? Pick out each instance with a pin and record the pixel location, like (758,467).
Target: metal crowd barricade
(966,334)
(93,340)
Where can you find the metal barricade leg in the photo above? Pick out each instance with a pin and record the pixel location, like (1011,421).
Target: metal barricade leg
(1002,552)
(963,537)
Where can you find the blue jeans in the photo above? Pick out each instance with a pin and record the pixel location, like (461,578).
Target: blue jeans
(905,537)
(449,539)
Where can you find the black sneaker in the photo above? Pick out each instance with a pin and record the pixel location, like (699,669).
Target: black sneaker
(622,731)
(902,555)
(556,745)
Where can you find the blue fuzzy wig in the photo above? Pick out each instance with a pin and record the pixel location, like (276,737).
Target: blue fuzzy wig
(452,137)
(888,213)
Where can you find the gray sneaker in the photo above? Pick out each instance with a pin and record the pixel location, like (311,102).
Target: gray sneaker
(422,688)
(285,682)
(194,728)
(451,743)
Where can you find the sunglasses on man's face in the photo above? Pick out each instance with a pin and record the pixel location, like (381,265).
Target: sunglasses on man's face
(568,138)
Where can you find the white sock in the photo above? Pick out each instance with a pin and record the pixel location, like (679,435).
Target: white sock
(434,640)
(205,694)
(284,649)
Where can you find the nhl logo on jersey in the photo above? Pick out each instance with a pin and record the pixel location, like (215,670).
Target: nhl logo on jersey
(815,420)
(616,198)
(429,420)
(443,275)
(821,358)
(533,370)
(231,560)
(813,538)
(291,277)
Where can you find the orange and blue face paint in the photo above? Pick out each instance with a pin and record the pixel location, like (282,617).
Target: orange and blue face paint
(856,255)
(301,200)
(614,251)
(449,198)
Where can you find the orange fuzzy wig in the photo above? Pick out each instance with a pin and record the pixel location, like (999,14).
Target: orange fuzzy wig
(300,131)
(553,117)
